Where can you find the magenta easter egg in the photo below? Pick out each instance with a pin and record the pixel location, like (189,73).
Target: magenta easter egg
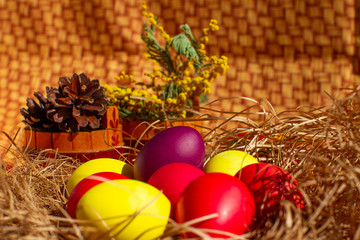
(175,144)
(270,184)
(86,184)
(173,178)
(221,194)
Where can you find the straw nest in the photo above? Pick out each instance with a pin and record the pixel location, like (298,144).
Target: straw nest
(319,146)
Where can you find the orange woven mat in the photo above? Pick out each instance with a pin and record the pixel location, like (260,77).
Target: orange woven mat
(287,51)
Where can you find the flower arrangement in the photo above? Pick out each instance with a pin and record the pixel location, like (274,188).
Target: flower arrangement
(181,76)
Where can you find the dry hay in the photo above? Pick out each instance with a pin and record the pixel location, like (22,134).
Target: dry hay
(319,146)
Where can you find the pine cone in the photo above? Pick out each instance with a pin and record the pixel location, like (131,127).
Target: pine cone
(78,104)
(35,115)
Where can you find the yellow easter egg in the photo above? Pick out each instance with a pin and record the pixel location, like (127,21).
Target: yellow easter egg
(98,165)
(229,162)
(124,209)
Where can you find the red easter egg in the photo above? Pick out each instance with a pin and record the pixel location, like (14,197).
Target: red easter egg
(173,178)
(269,184)
(221,194)
(86,184)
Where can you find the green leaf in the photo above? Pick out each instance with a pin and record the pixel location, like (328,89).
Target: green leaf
(187,30)
(183,46)
(165,91)
(122,114)
(203,98)
(125,111)
(189,102)
(171,91)
(156,52)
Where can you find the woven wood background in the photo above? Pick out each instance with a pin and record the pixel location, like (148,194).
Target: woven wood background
(287,51)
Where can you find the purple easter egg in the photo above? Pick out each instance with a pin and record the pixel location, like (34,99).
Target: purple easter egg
(175,144)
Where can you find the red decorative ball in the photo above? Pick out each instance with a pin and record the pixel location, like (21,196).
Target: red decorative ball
(270,184)
(85,185)
(173,178)
(221,194)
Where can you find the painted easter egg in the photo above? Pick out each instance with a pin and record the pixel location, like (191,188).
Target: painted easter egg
(98,165)
(124,209)
(270,184)
(221,195)
(229,162)
(175,144)
(173,178)
(85,185)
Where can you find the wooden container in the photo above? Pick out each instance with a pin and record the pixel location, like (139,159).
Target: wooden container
(105,142)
